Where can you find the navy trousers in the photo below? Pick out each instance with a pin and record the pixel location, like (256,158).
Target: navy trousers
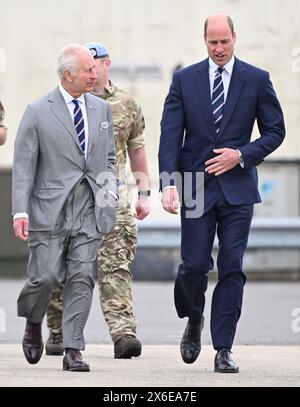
(232,225)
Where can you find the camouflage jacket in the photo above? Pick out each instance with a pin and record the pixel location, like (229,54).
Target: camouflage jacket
(129,132)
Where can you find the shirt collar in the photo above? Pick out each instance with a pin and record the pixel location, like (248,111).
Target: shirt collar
(69,98)
(228,67)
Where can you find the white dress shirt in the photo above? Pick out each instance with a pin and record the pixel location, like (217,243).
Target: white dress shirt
(69,102)
(226,75)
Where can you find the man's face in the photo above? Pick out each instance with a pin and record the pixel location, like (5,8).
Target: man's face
(102,70)
(219,41)
(84,79)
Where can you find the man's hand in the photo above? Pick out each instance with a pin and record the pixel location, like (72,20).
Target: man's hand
(170,200)
(3,134)
(142,207)
(21,228)
(226,159)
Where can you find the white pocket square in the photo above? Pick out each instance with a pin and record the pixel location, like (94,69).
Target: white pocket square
(105,125)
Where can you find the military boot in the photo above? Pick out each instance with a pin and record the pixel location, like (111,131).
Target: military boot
(127,347)
(54,344)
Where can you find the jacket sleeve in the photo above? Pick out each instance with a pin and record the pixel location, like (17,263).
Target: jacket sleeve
(25,160)
(271,126)
(172,132)
(111,157)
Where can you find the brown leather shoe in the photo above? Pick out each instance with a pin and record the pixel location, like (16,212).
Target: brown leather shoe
(127,347)
(32,342)
(73,361)
(54,344)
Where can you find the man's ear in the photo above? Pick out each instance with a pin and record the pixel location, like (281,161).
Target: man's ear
(67,74)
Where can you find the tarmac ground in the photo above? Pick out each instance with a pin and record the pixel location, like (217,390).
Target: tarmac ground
(159,366)
(266,347)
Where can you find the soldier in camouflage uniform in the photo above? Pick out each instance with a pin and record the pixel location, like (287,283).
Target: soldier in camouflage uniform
(3,129)
(117,248)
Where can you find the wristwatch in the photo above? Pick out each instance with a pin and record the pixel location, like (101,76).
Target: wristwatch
(147,192)
(240,157)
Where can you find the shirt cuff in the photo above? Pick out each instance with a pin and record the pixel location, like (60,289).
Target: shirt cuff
(20,215)
(170,187)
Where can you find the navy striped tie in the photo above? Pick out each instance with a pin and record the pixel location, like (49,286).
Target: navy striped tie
(79,124)
(217,98)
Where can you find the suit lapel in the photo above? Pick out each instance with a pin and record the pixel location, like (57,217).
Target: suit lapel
(59,108)
(235,88)
(93,120)
(203,91)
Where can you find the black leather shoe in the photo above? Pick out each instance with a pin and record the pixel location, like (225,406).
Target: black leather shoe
(127,347)
(32,342)
(190,345)
(54,344)
(73,361)
(224,362)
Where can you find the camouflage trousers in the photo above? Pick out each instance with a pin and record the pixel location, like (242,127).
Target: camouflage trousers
(115,256)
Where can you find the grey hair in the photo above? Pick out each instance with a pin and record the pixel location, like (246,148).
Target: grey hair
(67,59)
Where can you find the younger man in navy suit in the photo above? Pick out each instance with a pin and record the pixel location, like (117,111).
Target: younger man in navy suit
(206,127)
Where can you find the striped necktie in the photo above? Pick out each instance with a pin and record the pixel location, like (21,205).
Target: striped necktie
(79,124)
(217,99)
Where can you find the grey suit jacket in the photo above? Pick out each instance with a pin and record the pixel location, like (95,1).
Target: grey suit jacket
(48,161)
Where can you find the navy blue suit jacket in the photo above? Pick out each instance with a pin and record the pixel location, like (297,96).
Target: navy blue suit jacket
(188,134)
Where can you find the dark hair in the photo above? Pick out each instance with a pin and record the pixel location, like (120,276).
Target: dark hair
(229,21)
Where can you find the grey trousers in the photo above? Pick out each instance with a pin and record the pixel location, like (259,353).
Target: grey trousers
(66,254)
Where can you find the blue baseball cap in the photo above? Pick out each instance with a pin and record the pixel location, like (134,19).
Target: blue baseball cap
(97,50)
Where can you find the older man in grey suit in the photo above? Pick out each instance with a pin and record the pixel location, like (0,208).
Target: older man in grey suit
(64,199)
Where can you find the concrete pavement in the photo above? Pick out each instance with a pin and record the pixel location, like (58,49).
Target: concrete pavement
(267,345)
(159,366)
